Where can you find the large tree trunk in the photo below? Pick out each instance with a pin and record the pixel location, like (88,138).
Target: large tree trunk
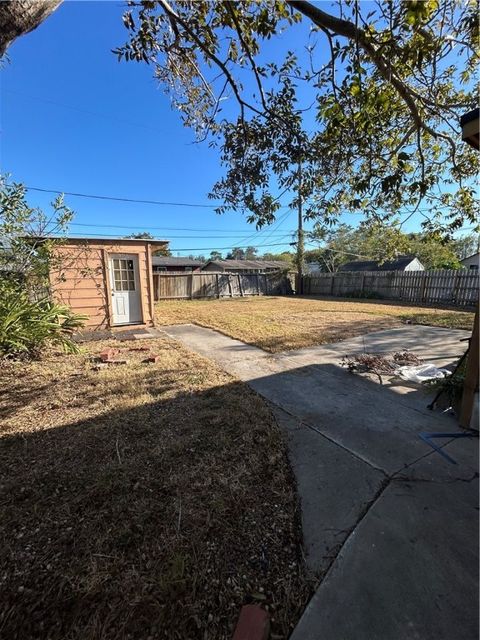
(21,16)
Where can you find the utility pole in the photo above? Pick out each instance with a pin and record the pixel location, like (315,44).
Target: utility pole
(300,233)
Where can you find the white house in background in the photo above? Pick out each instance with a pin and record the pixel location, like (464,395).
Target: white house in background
(471,262)
(401,263)
(314,267)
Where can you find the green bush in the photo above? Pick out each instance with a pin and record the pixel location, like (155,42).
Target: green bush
(27,327)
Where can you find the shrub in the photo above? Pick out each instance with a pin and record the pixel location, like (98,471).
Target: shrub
(27,327)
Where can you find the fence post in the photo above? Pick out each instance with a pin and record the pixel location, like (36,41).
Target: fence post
(190,286)
(217,285)
(258,285)
(332,282)
(230,285)
(455,286)
(240,285)
(424,287)
(363,283)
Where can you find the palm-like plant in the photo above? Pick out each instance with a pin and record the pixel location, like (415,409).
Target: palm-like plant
(27,327)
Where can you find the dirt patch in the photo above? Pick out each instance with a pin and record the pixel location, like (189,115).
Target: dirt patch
(283,323)
(146,500)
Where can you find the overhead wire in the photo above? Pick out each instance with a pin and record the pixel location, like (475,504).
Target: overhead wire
(150,228)
(161,203)
(86,111)
(234,246)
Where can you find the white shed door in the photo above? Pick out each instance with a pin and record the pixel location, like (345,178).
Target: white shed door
(125,285)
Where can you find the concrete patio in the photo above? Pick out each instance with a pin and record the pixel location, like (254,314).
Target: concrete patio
(389,525)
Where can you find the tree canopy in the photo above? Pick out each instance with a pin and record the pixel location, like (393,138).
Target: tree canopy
(146,235)
(27,233)
(250,253)
(379,242)
(365,96)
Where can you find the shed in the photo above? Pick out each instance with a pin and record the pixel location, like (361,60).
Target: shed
(246,266)
(109,280)
(401,263)
(169,263)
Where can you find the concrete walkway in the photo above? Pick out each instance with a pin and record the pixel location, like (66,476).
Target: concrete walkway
(390,526)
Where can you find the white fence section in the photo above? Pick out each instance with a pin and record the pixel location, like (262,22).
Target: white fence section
(443,286)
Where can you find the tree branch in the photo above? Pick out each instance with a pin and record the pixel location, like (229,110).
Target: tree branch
(347,29)
(212,56)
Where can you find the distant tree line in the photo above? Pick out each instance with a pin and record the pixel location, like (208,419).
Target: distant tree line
(344,243)
(379,242)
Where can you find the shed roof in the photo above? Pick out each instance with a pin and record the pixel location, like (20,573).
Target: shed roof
(399,264)
(249,264)
(170,261)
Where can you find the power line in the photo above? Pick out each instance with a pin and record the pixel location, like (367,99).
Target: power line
(185,237)
(148,228)
(235,246)
(117,199)
(134,200)
(277,226)
(87,111)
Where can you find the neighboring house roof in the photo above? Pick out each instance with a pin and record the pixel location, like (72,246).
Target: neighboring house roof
(168,261)
(474,255)
(399,264)
(248,264)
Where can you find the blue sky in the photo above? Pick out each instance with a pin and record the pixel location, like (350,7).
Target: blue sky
(75,119)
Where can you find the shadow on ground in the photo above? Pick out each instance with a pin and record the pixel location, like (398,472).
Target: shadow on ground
(135,522)
(157,521)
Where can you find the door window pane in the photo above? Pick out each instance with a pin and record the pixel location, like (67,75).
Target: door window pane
(123,274)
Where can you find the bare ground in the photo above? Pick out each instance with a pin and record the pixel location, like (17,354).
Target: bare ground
(282,323)
(141,501)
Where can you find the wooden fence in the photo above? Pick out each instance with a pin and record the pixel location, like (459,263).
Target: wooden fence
(444,286)
(207,284)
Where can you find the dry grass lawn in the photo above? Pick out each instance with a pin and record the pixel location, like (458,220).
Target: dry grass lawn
(141,501)
(283,323)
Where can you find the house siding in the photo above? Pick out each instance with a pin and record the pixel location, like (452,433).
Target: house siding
(471,262)
(80,278)
(415,265)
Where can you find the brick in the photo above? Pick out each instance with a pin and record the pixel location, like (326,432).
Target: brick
(139,349)
(253,624)
(107,354)
(152,359)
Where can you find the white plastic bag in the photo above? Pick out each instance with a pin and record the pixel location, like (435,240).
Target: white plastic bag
(422,372)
